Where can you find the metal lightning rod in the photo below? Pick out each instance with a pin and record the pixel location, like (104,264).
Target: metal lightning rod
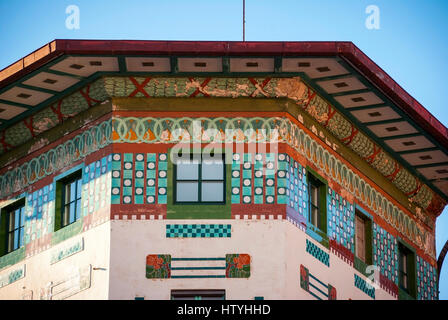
(244,20)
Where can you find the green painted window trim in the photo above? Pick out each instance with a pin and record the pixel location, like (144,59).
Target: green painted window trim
(4,221)
(322,230)
(199,180)
(412,273)
(358,264)
(59,182)
(198,210)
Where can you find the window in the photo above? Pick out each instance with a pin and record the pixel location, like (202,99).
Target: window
(69,191)
(406,272)
(13,222)
(200,179)
(363,241)
(316,202)
(360,238)
(198,294)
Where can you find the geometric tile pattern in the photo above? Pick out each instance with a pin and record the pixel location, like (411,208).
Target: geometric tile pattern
(12,276)
(385,253)
(297,191)
(139,176)
(247,178)
(96,185)
(128,166)
(258,179)
(426,280)
(39,213)
(116,178)
(198,230)
(236,178)
(282,185)
(151,178)
(317,253)
(162,178)
(269,189)
(364,286)
(340,215)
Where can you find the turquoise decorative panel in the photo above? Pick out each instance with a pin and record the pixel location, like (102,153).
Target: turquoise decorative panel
(236,178)
(95,189)
(258,178)
(162,178)
(151,172)
(198,230)
(317,253)
(128,170)
(270,176)
(139,178)
(39,213)
(116,179)
(340,220)
(364,286)
(297,192)
(426,280)
(247,178)
(282,185)
(385,253)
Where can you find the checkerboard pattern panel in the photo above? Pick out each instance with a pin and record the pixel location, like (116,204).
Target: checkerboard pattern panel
(139,178)
(198,230)
(297,192)
(151,178)
(317,253)
(236,179)
(162,178)
(116,178)
(385,253)
(426,280)
(282,185)
(247,178)
(362,285)
(341,217)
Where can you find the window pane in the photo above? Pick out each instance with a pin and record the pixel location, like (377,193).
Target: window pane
(187,171)
(72,212)
(315,216)
(11,242)
(72,191)
(212,191)
(187,191)
(16,239)
(16,218)
(67,194)
(315,195)
(213,170)
(79,189)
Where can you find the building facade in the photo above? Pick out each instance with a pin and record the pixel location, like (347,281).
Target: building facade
(215,170)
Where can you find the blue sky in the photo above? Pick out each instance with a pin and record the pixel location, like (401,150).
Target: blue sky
(411,44)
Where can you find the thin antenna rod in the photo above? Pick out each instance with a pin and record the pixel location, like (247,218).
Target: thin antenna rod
(244,20)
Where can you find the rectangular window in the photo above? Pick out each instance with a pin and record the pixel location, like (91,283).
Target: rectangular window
(360,238)
(200,179)
(16,223)
(407,279)
(71,188)
(316,202)
(198,294)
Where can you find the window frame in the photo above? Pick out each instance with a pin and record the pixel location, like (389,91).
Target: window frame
(359,264)
(6,213)
(61,181)
(200,181)
(411,258)
(322,185)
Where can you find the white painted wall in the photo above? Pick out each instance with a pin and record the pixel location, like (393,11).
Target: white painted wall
(39,271)
(277,248)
